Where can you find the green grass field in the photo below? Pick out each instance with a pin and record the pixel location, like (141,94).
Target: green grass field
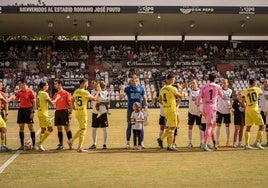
(118,167)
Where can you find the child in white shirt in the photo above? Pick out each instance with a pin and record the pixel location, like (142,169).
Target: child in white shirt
(137,119)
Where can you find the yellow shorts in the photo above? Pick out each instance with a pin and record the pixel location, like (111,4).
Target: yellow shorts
(2,123)
(44,121)
(171,118)
(82,121)
(253,117)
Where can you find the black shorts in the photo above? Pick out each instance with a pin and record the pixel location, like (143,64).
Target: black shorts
(162,120)
(61,118)
(24,116)
(225,117)
(263,117)
(203,127)
(194,118)
(100,122)
(239,119)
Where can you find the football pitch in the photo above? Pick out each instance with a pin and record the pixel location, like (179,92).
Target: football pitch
(119,167)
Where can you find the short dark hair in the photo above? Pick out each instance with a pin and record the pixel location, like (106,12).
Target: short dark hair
(59,81)
(171,75)
(82,80)
(251,81)
(212,76)
(22,80)
(42,84)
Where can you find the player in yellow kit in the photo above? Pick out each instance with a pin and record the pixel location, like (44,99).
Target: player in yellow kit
(80,99)
(252,113)
(43,101)
(168,96)
(3,127)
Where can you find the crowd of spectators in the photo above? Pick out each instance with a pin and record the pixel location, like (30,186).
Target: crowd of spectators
(157,53)
(150,53)
(42,63)
(37,63)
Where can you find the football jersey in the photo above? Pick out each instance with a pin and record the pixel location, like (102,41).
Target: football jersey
(168,94)
(64,100)
(42,103)
(4,96)
(224,103)
(209,94)
(25,97)
(81,97)
(193,94)
(251,96)
(134,94)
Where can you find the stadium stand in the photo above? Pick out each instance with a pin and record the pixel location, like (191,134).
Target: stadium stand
(105,61)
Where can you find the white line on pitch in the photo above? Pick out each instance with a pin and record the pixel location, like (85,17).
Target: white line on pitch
(13,157)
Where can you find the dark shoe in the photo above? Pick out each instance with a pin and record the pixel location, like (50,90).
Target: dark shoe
(5,148)
(104,146)
(160,143)
(21,148)
(93,146)
(60,147)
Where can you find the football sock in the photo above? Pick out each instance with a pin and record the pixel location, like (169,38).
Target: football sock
(218,132)
(104,135)
(33,137)
(160,133)
(41,137)
(247,137)
(82,137)
(76,135)
(69,135)
(170,138)
(201,136)
(164,135)
(60,137)
(208,134)
(259,135)
(22,138)
(190,133)
(2,142)
(45,135)
(94,136)
(228,134)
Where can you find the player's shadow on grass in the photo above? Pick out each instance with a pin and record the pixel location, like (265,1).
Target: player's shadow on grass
(159,150)
(130,150)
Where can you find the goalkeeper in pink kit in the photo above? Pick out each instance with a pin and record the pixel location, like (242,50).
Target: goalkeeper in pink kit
(208,96)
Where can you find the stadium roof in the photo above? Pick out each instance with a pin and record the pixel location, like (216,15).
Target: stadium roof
(132,20)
